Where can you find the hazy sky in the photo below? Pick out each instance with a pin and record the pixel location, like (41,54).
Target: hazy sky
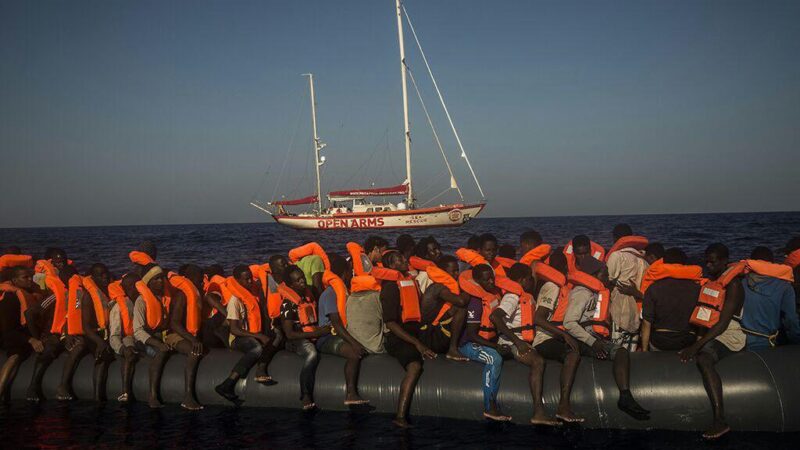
(150,112)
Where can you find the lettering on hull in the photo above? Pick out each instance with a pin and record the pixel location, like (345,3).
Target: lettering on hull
(363,222)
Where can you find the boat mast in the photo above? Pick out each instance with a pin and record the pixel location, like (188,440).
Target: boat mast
(410,197)
(318,145)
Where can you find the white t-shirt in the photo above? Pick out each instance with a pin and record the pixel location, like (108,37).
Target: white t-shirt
(548,299)
(510,306)
(237,311)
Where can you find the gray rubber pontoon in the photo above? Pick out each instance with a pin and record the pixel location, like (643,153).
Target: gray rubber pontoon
(762,390)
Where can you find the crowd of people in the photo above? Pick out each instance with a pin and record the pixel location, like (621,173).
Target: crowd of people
(487,303)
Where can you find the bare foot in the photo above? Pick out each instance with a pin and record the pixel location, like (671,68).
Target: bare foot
(354,399)
(497,416)
(566,415)
(154,403)
(33,395)
(717,430)
(544,420)
(62,394)
(191,404)
(123,398)
(401,422)
(455,355)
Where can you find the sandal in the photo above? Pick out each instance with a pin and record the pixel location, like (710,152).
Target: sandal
(122,398)
(497,417)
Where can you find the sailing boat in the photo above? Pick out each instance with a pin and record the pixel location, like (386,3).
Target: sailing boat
(353,208)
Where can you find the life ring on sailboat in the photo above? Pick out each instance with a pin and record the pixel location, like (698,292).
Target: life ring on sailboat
(455,215)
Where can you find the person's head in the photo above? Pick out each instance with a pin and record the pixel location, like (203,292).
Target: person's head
(507,251)
(449,264)
(581,247)
(12,250)
(374,247)
(522,274)
(392,259)
(484,276)
(792,245)
(488,247)
(66,273)
(716,259)
(405,244)
(243,276)
(559,262)
(154,277)
(100,275)
(593,267)
(149,248)
(278,264)
(675,255)
(21,277)
(296,280)
(762,254)
(341,267)
(653,252)
(128,284)
(428,248)
(621,230)
(474,242)
(214,269)
(529,240)
(57,256)
(193,273)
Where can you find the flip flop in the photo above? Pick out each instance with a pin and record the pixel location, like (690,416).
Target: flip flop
(310,407)
(545,423)
(123,398)
(266,380)
(183,405)
(356,402)
(497,417)
(713,437)
(570,419)
(65,398)
(457,358)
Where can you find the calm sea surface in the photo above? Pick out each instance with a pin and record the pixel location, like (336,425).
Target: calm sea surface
(83,424)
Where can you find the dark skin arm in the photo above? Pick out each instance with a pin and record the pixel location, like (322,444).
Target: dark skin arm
(398,331)
(734,297)
(177,321)
(291,333)
(213,300)
(472,335)
(540,322)
(32,317)
(89,321)
(459,301)
(498,319)
(237,330)
(341,331)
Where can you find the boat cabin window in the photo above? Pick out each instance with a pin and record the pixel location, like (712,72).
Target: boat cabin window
(370,209)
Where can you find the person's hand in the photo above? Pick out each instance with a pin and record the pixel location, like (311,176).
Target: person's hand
(160,346)
(465,295)
(102,347)
(572,343)
(504,349)
(128,352)
(689,352)
(522,347)
(426,352)
(197,348)
(37,345)
(628,289)
(599,351)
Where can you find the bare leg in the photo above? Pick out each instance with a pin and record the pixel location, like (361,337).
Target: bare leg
(713,385)
(456,329)
(622,369)
(64,391)
(127,368)
(413,372)
(351,369)
(43,361)
(155,372)
(189,376)
(100,378)
(568,371)
(536,380)
(7,373)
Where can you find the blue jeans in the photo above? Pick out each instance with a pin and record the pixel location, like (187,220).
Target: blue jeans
(308,351)
(492,366)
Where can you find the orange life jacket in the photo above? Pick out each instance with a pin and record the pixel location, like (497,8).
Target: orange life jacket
(250,301)
(7,261)
(100,311)
(363,283)
(548,273)
(418,263)
(26,299)
(473,258)
(65,296)
(117,294)
(437,275)
(527,307)
(793,259)
(140,258)
(306,309)
(597,252)
(262,273)
(154,306)
(312,248)
(660,270)
(409,293)
(194,303)
(538,253)
(712,297)
(217,284)
(360,262)
(330,279)
(46,267)
(489,300)
(768,269)
(504,262)
(599,321)
(635,242)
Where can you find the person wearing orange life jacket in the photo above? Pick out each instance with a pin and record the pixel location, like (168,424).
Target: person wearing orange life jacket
(149,325)
(400,311)
(14,338)
(511,321)
(626,266)
(792,252)
(144,255)
(584,320)
(53,261)
(300,326)
(582,247)
(769,301)
(479,346)
(668,305)
(724,337)
(532,249)
(426,252)
(506,255)
(443,309)
(214,328)
(120,329)
(550,341)
(406,245)
(248,322)
(332,311)
(488,249)
(313,261)
(185,319)
(653,256)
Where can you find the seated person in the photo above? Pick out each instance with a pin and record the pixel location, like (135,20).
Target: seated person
(14,337)
(94,307)
(443,310)
(120,329)
(149,323)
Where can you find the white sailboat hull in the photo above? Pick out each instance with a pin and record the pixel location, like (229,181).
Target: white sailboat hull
(440,216)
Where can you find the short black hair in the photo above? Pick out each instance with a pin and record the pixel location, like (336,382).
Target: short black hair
(581,240)
(481,269)
(792,245)
(275,258)
(621,230)
(422,246)
(487,237)
(339,264)
(192,271)
(519,271)
(215,269)
(389,256)
(405,242)
(558,261)
(292,269)
(656,249)
(675,255)
(374,241)
(52,252)
(149,248)
(718,249)
(240,269)
(444,260)
(507,251)
(763,254)
(474,242)
(531,237)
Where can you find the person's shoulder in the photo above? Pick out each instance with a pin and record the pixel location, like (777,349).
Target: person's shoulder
(510,297)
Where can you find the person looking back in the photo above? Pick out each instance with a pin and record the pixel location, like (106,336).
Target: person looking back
(626,266)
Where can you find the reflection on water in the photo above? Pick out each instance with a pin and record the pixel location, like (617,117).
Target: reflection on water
(111,425)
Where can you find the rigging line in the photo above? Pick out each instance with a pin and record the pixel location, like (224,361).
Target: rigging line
(288,151)
(433,129)
(437,196)
(441,100)
(433,185)
(261,185)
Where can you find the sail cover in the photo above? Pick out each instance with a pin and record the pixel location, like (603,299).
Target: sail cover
(400,189)
(298,201)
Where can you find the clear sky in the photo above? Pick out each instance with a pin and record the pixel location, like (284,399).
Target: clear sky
(151,112)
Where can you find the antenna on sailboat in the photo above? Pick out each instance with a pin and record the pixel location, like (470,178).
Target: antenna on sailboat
(318,144)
